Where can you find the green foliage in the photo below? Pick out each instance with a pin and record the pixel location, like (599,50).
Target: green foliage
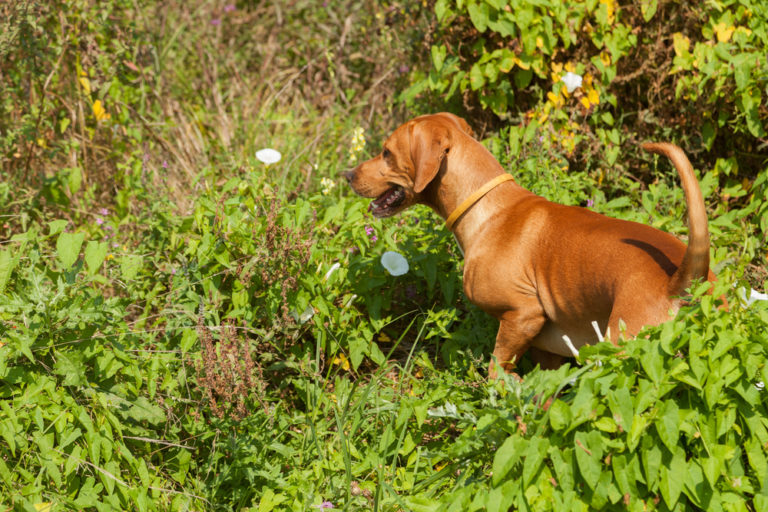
(510,58)
(183,327)
(672,422)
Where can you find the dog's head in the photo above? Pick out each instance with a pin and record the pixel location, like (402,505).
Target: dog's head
(409,160)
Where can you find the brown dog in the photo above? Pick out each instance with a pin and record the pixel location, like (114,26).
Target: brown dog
(545,270)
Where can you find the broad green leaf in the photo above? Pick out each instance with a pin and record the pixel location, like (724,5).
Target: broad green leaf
(95,253)
(68,248)
(534,456)
(672,477)
(621,405)
(479,14)
(648,8)
(74,180)
(7,264)
(144,410)
(71,368)
(589,451)
(506,457)
(57,226)
(696,486)
(668,424)
(651,456)
(560,415)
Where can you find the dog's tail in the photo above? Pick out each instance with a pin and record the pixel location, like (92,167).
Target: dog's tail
(695,264)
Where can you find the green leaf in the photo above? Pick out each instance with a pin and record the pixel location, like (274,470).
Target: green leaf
(476,77)
(68,248)
(668,424)
(506,457)
(7,264)
(441,10)
(560,415)
(648,8)
(589,451)
(71,368)
(653,361)
(620,404)
(672,481)
(95,253)
(696,486)
(130,264)
(144,410)
(479,14)
(74,180)
(57,226)
(534,456)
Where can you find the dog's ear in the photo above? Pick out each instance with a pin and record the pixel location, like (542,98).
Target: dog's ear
(430,142)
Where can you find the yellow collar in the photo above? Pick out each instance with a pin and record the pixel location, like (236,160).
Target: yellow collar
(475,197)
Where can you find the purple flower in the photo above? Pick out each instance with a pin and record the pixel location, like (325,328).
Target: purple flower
(590,203)
(173,271)
(165,164)
(404,69)
(146,157)
(99,221)
(325,504)
(216,22)
(229,7)
(374,238)
(104,212)
(368,230)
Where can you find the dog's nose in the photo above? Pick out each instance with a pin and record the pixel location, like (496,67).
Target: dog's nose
(348,175)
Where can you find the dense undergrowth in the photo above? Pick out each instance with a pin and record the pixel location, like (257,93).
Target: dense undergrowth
(184,327)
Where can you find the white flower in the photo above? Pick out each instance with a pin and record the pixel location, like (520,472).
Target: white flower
(572,81)
(331,270)
(394,262)
(328,185)
(760,385)
(754,296)
(268,155)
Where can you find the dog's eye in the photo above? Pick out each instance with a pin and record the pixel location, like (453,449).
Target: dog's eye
(385,153)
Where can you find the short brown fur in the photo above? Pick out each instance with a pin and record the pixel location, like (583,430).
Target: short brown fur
(544,270)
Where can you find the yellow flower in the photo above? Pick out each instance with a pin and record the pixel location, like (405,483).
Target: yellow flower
(341,360)
(99,112)
(591,99)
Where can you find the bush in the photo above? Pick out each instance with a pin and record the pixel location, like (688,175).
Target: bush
(510,59)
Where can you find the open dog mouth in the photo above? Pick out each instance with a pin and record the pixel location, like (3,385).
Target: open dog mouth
(387,203)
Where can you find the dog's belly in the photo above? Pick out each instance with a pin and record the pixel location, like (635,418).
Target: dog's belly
(550,339)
